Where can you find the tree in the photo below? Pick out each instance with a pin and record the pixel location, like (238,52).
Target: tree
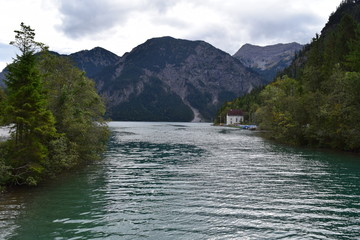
(282,111)
(55,113)
(26,109)
(78,111)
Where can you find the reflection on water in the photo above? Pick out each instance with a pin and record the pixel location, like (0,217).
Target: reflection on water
(193,181)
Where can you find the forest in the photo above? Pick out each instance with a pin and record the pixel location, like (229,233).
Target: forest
(55,114)
(316,101)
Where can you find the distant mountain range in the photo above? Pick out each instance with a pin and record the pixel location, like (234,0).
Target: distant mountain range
(268,60)
(168,79)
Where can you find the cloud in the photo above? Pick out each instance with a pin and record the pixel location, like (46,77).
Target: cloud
(119,25)
(83,18)
(290,27)
(262,23)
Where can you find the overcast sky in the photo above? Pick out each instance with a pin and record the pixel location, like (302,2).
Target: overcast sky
(68,26)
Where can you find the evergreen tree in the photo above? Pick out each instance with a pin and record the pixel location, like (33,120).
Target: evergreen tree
(33,124)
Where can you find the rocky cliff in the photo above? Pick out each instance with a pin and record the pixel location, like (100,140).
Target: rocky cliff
(268,60)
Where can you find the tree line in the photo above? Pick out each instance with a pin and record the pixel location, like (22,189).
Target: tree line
(54,111)
(316,101)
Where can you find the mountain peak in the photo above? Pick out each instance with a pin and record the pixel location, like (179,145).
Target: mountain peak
(268,60)
(95,60)
(156,53)
(98,51)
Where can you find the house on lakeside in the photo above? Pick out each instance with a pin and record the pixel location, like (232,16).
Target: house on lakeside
(234,116)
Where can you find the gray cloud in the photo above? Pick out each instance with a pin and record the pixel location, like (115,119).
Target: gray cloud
(82,18)
(90,17)
(238,21)
(264,28)
(293,27)
(214,34)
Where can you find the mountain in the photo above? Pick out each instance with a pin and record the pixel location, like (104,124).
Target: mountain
(268,60)
(94,61)
(167,79)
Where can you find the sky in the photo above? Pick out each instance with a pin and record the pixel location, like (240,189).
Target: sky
(69,26)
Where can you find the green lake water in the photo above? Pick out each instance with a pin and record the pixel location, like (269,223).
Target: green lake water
(192,181)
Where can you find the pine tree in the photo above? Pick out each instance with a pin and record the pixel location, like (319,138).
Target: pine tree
(33,125)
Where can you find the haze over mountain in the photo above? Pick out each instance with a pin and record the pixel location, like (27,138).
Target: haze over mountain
(268,60)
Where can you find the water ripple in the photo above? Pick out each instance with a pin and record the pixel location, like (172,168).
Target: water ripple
(195,181)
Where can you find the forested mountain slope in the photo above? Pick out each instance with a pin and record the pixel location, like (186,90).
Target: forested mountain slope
(316,101)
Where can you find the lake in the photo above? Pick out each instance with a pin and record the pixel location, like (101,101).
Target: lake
(192,181)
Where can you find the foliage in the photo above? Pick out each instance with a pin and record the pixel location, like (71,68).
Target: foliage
(317,104)
(55,114)
(325,111)
(281,109)
(78,111)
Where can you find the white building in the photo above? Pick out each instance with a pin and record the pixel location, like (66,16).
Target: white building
(234,116)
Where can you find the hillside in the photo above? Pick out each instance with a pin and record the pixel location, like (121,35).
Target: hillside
(315,102)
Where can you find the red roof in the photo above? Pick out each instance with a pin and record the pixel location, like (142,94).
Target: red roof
(235,112)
